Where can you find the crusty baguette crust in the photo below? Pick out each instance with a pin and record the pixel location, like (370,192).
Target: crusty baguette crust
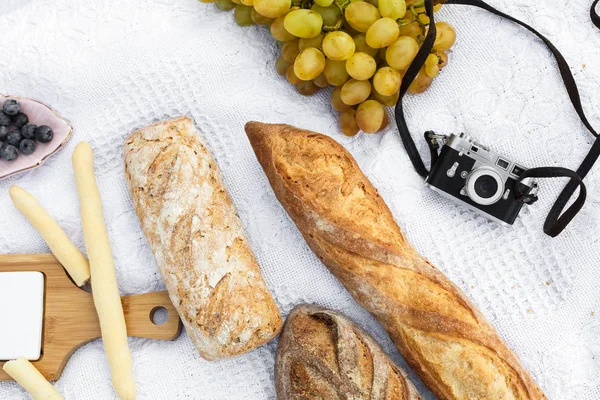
(322,354)
(442,335)
(198,241)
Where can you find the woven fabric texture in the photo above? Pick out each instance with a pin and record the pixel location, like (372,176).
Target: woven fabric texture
(112,66)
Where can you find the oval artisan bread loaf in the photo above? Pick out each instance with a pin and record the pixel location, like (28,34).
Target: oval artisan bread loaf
(323,355)
(442,335)
(201,250)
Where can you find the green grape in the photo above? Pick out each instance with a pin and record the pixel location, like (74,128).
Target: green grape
(360,42)
(303,23)
(445,37)
(321,81)
(386,121)
(335,72)
(272,8)
(290,75)
(336,100)
(387,81)
(306,88)
(348,122)
(338,46)
(248,3)
(413,30)
(373,2)
(443,60)
(370,116)
(422,17)
(400,54)
(279,32)
(316,42)
(331,15)
(431,65)
(309,64)
(382,33)
(225,5)
(290,50)
(361,15)
(242,16)
(355,92)
(260,19)
(421,83)
(394,9)
(388,101)
(348,29)
(281,66)
(361,66)
(324,3)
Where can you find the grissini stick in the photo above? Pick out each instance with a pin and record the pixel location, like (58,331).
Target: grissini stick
(442,335)
(55,237)
(104,279)
(31,380)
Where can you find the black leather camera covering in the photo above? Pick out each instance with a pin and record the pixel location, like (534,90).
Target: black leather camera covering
(504,210)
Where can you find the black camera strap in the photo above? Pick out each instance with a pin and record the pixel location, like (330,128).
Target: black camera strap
(557,220)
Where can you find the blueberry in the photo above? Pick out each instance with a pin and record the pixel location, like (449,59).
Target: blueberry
(11,107)
(3,133)
(20,120)
(27,146)
(9,152)
(28,131)
(44,134)
(4,119)
(14,138)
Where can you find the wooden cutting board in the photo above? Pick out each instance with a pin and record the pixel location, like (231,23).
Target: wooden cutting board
(70,318)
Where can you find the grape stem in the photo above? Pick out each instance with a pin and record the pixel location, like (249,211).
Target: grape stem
(331,28)
(416,15)
(342,6)
(405,23)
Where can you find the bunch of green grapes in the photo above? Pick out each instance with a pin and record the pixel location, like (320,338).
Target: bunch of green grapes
(361,48)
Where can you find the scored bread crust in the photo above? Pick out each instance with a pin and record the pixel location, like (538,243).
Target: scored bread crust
(442,335)
(200,247)
(322,354)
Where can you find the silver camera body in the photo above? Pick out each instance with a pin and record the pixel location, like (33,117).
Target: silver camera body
(480,179)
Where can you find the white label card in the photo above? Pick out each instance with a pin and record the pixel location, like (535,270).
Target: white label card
(21,315)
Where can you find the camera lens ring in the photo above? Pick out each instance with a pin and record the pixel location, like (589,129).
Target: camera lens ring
(470,186)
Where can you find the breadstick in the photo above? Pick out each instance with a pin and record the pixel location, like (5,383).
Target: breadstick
(63,249)
(104,279)
(31,380)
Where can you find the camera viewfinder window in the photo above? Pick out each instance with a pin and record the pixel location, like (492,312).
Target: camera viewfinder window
(502,163)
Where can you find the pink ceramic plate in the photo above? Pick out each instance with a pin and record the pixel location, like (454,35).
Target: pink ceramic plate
(39,114)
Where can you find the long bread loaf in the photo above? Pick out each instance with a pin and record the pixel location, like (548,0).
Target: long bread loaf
(198,241)
(445,339)
(323,355)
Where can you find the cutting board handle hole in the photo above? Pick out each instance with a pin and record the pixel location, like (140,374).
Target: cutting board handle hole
(159,315)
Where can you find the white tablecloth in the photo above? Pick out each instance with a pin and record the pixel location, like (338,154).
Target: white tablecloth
(114,65)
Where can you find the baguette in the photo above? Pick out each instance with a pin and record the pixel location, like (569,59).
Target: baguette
(322,353)
(200,247)
(442,335)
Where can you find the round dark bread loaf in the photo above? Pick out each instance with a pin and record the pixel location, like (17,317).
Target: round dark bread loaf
(324,355)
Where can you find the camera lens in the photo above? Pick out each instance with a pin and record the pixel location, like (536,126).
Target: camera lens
(486,186)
